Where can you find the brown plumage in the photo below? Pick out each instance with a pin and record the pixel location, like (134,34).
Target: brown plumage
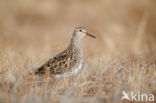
(69,61)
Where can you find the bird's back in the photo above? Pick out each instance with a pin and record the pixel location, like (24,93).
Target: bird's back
(61,63)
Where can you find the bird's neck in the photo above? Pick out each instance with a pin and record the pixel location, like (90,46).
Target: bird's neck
(76,45)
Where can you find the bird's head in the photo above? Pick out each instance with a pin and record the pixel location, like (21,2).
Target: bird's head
(80,32)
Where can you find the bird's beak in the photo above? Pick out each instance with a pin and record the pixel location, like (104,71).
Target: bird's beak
(90,35)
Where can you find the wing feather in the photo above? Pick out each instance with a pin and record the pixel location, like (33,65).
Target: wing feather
(59,64)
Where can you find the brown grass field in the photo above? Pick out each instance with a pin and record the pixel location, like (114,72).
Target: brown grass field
(121,58)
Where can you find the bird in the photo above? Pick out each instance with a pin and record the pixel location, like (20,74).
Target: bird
(69,61)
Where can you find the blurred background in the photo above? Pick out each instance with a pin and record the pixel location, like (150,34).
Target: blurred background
(122,57)
(42,28)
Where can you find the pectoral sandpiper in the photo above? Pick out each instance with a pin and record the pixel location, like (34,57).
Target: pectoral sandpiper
(68,62)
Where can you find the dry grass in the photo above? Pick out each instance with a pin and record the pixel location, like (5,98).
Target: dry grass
(123,57)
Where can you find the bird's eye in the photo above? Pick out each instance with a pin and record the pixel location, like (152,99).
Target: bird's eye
(80,30)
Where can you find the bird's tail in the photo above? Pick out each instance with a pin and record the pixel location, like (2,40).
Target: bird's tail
(40,71)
